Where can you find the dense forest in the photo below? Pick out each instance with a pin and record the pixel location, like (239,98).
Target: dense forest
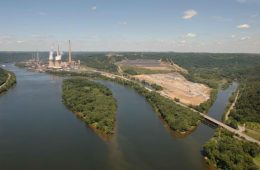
(93,102)
(98,60)
(247,108)
(226,152)
(6,83)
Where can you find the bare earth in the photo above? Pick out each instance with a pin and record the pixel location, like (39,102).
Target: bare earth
(176,86)
(151,65)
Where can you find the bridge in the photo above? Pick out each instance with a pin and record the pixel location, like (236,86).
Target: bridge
(230,129)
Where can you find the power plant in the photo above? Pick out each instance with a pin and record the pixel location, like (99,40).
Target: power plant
(56,62)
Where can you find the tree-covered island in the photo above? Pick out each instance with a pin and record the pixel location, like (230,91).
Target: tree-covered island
(91,101)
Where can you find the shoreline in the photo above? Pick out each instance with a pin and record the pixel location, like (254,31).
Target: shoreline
(9,83)
(102,135)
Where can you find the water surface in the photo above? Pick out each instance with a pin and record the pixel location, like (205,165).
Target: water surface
(38,132)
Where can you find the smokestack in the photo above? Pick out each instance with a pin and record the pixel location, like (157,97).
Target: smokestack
(70,52)
(58,51)
(37,55)
(51,55)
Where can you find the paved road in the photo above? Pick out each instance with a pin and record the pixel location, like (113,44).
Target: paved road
(231,107)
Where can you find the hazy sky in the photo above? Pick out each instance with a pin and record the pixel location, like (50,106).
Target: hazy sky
(131,25)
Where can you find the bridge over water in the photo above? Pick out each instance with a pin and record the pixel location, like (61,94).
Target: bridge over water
(230,129)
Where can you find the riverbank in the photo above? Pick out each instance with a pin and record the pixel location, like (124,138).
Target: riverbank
(231,104)
(229,108)
(10,80)
(92,102)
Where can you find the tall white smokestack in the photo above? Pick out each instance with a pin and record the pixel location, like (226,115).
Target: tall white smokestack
(70,52)
(51,55)
(58,56)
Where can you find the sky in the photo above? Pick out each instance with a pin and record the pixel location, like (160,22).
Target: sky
(131,25)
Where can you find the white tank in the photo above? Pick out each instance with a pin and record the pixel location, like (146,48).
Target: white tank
(58,57)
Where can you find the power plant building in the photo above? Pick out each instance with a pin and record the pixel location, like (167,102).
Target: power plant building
(56,62)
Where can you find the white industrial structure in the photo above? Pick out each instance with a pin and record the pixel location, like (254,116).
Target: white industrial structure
(51,63)
(56,63)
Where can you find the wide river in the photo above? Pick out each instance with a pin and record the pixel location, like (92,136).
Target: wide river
(38,132)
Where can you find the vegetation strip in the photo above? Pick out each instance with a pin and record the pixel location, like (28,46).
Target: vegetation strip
(7,80)
(231,104)
(93,102)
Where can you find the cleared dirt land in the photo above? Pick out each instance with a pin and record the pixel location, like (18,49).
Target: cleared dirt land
(176,86)
(154,65)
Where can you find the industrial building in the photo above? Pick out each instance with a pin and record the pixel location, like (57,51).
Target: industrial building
(57,63)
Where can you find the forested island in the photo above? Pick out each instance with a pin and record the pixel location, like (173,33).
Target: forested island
(92,102)
(7,80)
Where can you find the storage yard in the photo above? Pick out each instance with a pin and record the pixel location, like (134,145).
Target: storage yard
(176,86)
(153,65)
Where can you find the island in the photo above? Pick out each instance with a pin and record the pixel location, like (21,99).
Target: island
(92,102)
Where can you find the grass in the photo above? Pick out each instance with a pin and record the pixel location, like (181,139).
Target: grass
(139,70)
(253,130)
(257,160)
(254,134)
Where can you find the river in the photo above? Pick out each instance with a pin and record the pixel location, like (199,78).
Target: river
(38,132)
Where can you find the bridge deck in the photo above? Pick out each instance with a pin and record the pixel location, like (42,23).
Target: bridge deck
(230,129)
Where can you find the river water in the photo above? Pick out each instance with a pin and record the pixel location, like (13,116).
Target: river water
(38,132)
